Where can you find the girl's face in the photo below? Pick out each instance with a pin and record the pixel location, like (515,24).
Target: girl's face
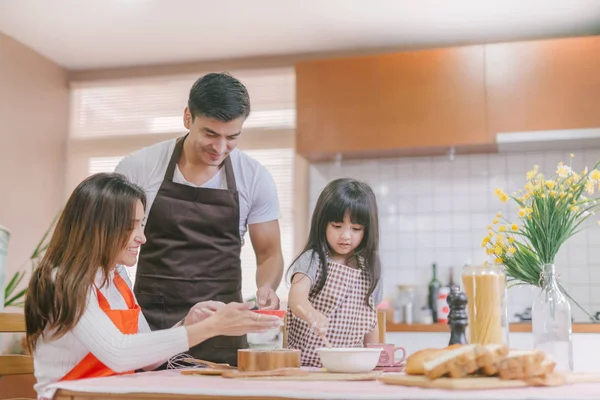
(344,237)
(128,255)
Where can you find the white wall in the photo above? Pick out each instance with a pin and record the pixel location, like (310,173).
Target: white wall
(436,210)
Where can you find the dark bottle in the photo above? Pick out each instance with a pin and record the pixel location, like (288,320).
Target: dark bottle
(434,289)
(451,283)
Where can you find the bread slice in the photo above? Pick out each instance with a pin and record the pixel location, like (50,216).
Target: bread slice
(525,364)
(457,362)
(415,363)
(489,358)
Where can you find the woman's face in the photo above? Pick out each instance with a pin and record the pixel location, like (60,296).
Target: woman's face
(128,255)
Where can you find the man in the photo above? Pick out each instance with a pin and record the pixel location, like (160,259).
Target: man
(203,194)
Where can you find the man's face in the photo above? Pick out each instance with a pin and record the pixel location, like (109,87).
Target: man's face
(212,140)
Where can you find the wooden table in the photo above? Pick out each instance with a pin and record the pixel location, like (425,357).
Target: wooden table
(173,385)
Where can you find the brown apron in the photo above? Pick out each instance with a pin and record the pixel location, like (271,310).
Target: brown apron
(192,254)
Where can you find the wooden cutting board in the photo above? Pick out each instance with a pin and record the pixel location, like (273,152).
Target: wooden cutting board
(288,375)
(482,383)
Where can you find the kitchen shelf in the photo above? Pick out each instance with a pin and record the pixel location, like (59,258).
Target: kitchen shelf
(517,327)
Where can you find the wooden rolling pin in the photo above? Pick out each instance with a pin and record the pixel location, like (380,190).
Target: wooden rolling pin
(275,372)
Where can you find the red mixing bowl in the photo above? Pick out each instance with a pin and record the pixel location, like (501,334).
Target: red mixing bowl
(278,313)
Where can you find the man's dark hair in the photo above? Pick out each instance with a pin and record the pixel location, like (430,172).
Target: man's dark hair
(219,96)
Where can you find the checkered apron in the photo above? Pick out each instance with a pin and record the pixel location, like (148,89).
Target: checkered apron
(342,301)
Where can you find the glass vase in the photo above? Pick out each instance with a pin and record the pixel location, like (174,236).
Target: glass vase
(551,321)
(485,287)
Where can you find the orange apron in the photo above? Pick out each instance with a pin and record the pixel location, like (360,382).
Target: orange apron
(125,320)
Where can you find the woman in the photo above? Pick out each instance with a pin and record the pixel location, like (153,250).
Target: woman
(81,315)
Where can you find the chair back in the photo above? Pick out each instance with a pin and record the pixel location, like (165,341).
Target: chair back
(16,370)
(14,364)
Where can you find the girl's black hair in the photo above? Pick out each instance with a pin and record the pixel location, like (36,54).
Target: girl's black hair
(338,197)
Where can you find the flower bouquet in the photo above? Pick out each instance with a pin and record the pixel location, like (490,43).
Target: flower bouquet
(551,210)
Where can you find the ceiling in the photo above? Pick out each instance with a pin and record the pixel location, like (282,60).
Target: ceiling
(90,34)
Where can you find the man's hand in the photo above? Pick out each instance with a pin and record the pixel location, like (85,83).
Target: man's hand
(202,310)
(266,298)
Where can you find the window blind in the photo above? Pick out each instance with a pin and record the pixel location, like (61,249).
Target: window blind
(280,163)
(151,106)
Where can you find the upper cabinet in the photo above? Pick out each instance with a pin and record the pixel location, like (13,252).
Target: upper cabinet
(398,102)
(422,102)
(543,85)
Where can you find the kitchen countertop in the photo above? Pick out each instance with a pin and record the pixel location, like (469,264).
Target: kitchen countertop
(514,327)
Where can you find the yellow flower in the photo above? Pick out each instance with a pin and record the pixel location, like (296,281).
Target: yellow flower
(550,184)
(512,239)
(512,251)
(489,251)
(498,260)
(495,221)
(574,208)
(572,155)
(552,193)
(499,240)
(563,170)
(514,227)
(489,227)
(498,250)
(589,187)
(499,215)
(595,175)
(485,241)
(502,228)
(529,187)
(501,195)
(522,212)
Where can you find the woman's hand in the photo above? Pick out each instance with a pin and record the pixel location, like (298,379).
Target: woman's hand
(202,310)
(236,319)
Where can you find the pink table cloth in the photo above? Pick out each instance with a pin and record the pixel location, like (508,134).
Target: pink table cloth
(172,382)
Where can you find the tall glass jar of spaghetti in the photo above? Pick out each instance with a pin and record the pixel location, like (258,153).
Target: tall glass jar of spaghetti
(486,290)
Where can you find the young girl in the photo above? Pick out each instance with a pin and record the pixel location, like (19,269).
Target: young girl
(81,315)
(335,282)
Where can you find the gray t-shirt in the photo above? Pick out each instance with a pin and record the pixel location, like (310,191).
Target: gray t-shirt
(309,266)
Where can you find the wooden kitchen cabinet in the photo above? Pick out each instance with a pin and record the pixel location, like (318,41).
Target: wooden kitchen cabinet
(543,85)
(370,105)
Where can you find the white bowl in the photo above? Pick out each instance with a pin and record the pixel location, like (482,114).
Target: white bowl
(349,360)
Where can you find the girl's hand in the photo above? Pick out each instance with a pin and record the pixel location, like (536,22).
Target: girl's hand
(236,319)
(318,322)
(202,310)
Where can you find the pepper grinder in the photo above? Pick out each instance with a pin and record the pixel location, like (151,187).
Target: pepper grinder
(457,318)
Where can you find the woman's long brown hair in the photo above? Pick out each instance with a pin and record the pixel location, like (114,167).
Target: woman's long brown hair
(93,228)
